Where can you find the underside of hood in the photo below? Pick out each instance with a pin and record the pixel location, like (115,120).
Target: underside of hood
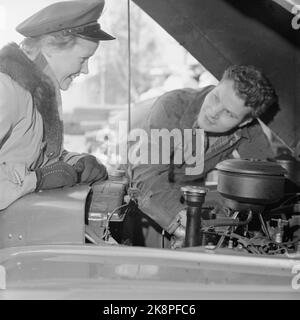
(219,33)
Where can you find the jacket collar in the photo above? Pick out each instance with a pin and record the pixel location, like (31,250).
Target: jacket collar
(30,76)
(43,65)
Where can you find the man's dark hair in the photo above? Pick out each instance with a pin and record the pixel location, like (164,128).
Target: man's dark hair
(253,86)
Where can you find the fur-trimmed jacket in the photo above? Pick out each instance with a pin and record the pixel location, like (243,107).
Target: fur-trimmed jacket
(31,131)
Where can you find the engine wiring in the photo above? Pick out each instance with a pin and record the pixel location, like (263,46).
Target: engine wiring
(255,245)
(109,216)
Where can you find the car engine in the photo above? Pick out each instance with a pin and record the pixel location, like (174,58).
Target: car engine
(260,213)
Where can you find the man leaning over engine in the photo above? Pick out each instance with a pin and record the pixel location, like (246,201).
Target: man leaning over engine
(228,114)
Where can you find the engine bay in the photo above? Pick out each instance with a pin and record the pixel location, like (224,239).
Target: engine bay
(259,213)
(270,230)
(256,212)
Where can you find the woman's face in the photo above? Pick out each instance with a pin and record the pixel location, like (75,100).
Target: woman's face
(69,63)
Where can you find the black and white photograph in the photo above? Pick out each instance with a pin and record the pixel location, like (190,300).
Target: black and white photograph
(149,153)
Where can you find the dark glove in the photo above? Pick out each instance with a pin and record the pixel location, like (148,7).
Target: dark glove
(56,175)
(90,170)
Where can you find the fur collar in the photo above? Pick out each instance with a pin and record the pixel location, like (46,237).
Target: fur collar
(28,75)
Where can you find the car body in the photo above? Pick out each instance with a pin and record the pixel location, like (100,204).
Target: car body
(43,249)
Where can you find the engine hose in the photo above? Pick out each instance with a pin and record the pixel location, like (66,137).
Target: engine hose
(287,209)
(222,222)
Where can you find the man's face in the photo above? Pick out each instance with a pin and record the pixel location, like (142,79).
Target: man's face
(222,109)
(69,63)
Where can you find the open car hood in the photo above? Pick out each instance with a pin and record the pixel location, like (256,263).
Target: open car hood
(219,33)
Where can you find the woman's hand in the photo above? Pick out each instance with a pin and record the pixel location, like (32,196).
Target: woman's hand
(89,170)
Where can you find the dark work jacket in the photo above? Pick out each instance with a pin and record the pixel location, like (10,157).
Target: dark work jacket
(160,184)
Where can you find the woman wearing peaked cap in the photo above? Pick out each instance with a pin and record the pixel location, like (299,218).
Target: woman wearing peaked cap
(59,40)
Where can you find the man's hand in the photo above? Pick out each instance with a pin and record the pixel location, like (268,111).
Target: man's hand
(181,217)
(178,237)
(90,170)
(56,175)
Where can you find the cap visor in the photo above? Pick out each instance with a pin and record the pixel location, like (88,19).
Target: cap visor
(99,35)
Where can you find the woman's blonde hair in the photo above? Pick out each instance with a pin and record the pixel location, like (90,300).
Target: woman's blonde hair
(33,46)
